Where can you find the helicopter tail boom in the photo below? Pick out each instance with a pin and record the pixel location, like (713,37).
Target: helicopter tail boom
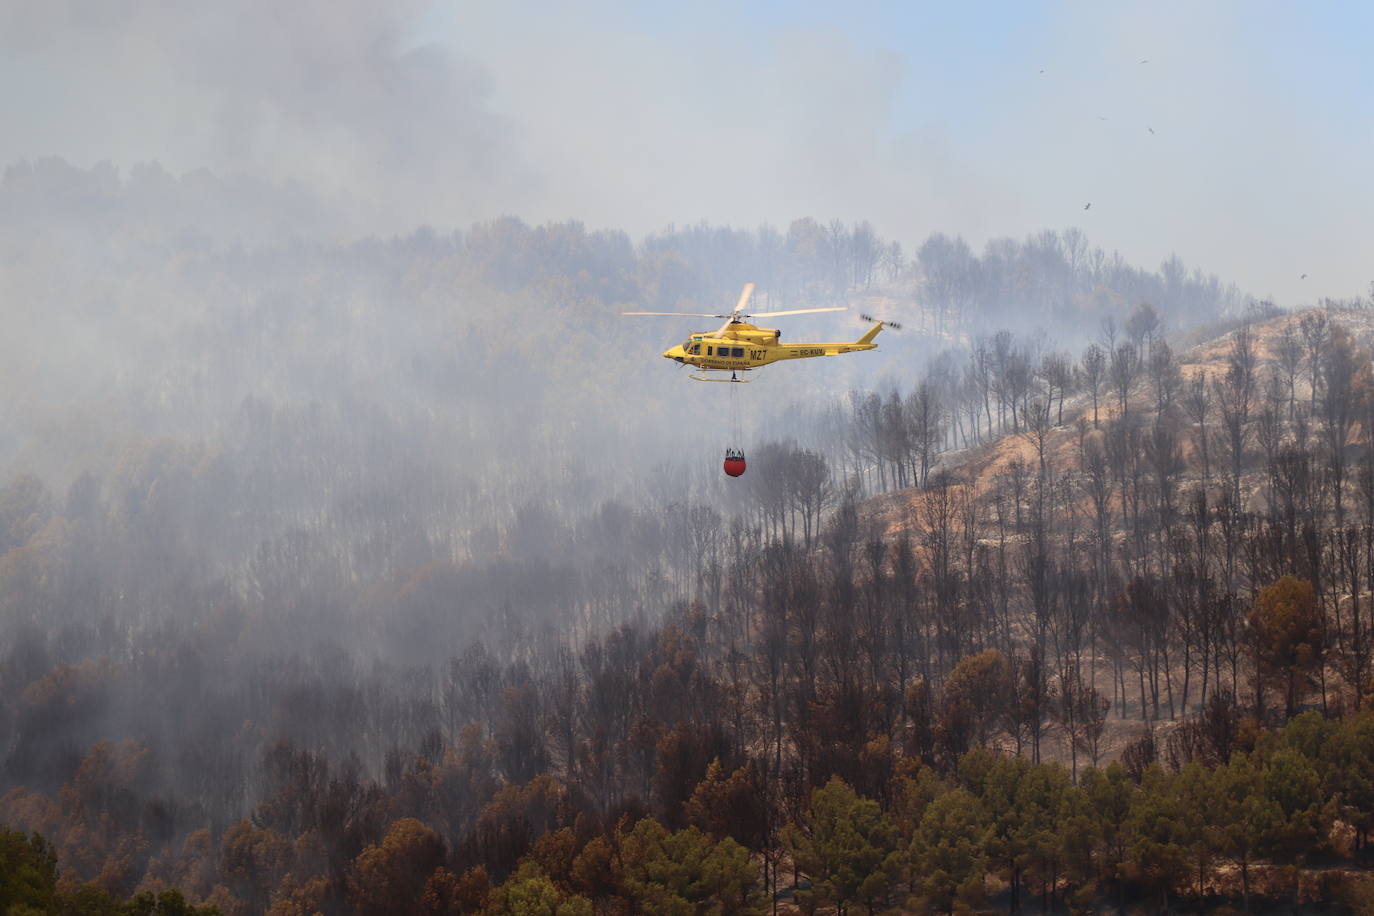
(792,351)
(872,333)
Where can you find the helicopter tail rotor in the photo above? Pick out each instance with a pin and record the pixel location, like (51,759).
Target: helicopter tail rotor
(887,324)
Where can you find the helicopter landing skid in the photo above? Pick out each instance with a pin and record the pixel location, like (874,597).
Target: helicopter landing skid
(706,378)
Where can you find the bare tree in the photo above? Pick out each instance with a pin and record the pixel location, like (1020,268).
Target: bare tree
(1235,392)
(1165,379)
(1057,371)
(1315,331)
(1093,371)
(923,415)
(840,249)
(1124,370)
(865,254)
(1166,461)
(1097,482)
(893,262)
(811,489)
(1289,349)
(980,378)
(1143,326)
(1197,402)
(1035,429)
(1081,712)
(1342,393)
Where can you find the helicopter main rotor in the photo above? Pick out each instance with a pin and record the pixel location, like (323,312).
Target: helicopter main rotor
(739,313)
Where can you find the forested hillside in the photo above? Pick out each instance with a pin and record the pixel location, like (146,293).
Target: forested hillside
(381,575)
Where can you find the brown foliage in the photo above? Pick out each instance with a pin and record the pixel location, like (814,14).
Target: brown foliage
(1287,625)
(554,853)
(1137,756)
(392,876)
(447,894)
(594,870)
(514,819)
(299,898)
(253,860)
(683,755)
(733,805)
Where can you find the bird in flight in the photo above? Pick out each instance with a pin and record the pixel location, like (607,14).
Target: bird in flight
(1149,128)
(1303,277)
(1090,203)
(1102,118)
(1145,61)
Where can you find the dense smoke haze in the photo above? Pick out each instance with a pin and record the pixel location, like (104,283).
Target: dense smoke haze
(354,548)
(919,119)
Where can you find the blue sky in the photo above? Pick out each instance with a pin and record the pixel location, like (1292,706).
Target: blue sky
(1240,145)
(919,117)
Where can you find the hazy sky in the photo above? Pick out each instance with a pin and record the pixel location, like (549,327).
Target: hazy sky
(917,116)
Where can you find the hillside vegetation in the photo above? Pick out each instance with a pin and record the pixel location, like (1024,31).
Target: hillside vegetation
(298,617)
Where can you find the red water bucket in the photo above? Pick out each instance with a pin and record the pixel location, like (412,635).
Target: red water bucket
(734,462)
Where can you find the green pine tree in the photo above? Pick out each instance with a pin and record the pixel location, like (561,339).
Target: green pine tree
(949,852)
(847,847)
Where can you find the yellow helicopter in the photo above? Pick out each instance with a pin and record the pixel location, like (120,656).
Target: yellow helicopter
(738,346)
